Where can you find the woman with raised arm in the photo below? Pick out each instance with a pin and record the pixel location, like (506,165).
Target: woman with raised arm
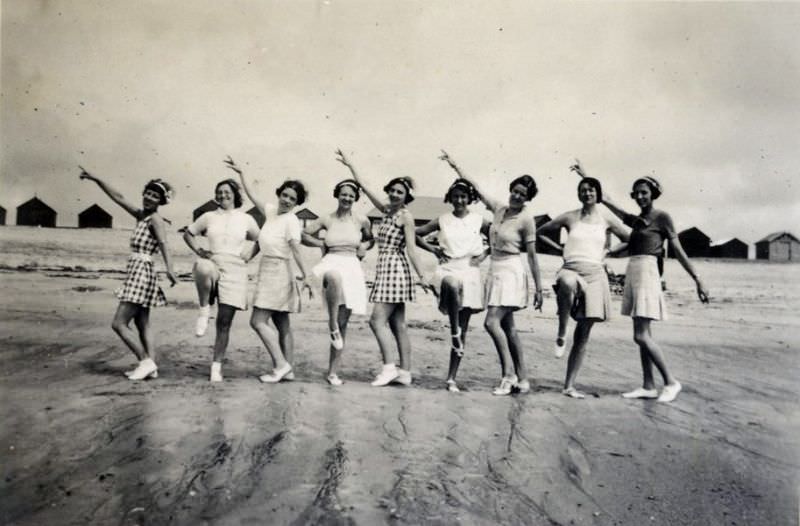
(278,290)
(140,290)
(393,286)
(347,233)
(221,271)
(457,279)
(582,281)
(643,299)
(507,290)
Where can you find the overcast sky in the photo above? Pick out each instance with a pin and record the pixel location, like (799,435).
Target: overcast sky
(706,97)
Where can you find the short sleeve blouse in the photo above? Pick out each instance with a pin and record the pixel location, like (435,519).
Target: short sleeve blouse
(277,232)
(649,232)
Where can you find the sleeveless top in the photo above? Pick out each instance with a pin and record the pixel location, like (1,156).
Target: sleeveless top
(585,242)
(391,236)
(343,233)
(143,241)
(460,237)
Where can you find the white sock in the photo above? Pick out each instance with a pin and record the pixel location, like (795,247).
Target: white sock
(205,311)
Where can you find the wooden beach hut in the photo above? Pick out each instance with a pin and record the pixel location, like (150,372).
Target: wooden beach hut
(35,212)
(694,242)
(778,246)
(729,248)
(423,208)
(94,217)
(2,216)
(257,215)
(305,215)
(555,235)
(208,206)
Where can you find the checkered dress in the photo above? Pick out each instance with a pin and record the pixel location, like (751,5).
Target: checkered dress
(393,282)
(141,281)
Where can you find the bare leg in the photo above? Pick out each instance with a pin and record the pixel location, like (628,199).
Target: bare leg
(142,322)
(379,323)
(397,324)
(578,351)
(650,353)
(120,324)
(495,330)
(336,355)
(204,273)
(225,314)
(514,345)
(285,336)
(567,288)
(259,321)
(455,358)
(332,285)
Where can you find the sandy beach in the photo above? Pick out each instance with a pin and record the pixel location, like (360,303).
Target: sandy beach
(81,444)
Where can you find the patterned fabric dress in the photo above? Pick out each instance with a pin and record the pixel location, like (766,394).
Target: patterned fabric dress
(393,282)
(141,281)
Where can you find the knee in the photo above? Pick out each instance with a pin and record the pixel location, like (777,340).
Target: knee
(224,324)
(567,284)
(641,338)
(332,278)
(117,325)
(204,269)
(491,324)
(256,323)
(450,285)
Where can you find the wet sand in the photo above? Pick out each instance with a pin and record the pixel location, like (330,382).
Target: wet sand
(81,444)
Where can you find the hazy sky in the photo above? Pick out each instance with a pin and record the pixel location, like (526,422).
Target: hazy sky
(706,97)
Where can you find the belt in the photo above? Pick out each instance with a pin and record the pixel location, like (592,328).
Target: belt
(140,256)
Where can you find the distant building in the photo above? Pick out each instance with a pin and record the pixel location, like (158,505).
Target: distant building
(208,206)
(694,242)
(2,216)
(554,235)
(94,217)
(35,213)
(729,248)
(423,208)
(257,215)
(780,246)
(305,215)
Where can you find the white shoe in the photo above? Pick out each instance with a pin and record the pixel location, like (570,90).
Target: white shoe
(670,392)
(216,372)
(277,375)
(560,349)
(641,392)
(573,393)
(145,369)
(403,377)
(523,387)
(334,380)
(506,384)
(200,326)
(452,386)
(387,374)
(290,376)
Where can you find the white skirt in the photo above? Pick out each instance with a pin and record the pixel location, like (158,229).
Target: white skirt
(469,279)
(354,286)
(231,282)
(277,287)
(507,284)
(642,296)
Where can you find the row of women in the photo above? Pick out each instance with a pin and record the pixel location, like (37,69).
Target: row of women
(582,288)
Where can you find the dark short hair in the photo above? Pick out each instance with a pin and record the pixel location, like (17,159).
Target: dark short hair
(529,184)
(407,183)
(162,188)
(347,182)
(594,183)
(466,187)
(650,181)
(237,191)
(295,185)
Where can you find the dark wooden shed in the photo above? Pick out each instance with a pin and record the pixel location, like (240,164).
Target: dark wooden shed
(305,215)
(257,215)
(94,217)
(779,246)
(694,242)
(555,236)
(729,248)
(2,216)
(35,212)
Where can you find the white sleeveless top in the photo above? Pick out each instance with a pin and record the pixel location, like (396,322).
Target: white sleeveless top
(461,237)
(585,242)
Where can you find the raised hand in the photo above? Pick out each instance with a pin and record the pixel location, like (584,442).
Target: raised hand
(230,163)
(446,158)
(342,158)
(577,168)
(85,174)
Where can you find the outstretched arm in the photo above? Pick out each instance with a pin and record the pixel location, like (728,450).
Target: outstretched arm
(610,203)
(422,231)
(112,193)
(230,163)
(160,232)
(681,256)
(490,203)
(340,156)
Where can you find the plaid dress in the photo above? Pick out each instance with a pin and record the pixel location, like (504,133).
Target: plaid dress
(141,281)
(393,282)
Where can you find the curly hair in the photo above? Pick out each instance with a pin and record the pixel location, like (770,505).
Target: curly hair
(466,187)
(407,183)
(593,183)
(349,183)
(652,183)
(295,185)
(162,188)
(529,184)
(235,188)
